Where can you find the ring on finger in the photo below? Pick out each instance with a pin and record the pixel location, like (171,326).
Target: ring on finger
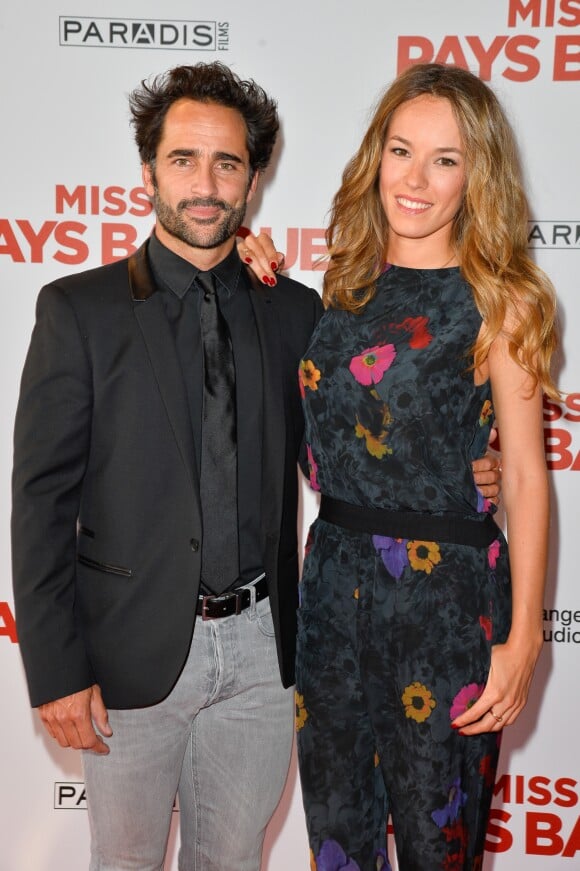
(497,717)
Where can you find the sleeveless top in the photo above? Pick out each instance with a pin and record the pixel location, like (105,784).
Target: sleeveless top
(393,417)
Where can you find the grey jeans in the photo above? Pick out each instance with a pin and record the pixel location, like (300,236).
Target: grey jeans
(221,739)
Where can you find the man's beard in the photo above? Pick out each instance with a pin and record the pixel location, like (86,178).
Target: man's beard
(203,232)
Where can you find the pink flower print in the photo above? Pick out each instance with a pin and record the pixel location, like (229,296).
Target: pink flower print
(493,553)
(312,469)
(465,699)
(370,366)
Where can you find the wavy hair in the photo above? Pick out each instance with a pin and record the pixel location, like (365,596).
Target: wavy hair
(489,232)
(205,83)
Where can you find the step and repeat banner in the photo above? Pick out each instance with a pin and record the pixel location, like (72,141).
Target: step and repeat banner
(71,198)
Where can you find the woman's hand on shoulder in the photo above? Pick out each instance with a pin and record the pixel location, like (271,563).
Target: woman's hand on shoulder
(261,256)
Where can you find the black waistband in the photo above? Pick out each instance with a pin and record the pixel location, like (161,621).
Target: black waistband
(448,528)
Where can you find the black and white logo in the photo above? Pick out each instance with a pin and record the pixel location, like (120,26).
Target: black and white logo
(143,33)
(70,796)
(554,235)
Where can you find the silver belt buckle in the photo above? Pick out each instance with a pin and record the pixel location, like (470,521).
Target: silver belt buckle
(233,595)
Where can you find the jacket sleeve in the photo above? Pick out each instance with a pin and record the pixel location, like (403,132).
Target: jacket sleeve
(51,444)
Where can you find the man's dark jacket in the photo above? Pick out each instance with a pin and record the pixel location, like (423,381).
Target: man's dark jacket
(106,523)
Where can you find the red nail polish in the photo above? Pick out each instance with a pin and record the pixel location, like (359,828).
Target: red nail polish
(272,282)
(273,266)
(247,260)
(265,279)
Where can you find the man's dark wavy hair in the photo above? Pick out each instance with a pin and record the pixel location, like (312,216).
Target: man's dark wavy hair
(206,83)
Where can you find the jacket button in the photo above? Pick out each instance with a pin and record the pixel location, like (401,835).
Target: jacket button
(194,544)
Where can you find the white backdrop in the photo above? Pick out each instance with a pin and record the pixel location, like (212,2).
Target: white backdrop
(70,200)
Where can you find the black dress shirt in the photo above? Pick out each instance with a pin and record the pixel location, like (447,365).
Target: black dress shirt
(175,278)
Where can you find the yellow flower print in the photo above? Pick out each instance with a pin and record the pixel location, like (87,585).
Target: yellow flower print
(356,593)
(374,444)
(423,555)
(309,374)
(418,702)
(377,759)
(485,413)
(301,712)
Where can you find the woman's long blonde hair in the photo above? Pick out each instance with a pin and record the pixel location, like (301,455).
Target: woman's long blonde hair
(489,232)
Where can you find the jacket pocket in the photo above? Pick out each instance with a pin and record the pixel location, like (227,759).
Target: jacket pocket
(103,567)
(84,530)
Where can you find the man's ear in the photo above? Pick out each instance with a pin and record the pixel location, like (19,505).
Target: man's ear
(147,175)
(253,186)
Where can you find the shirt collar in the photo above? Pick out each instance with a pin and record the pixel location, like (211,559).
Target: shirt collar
(228,271)
(178,275)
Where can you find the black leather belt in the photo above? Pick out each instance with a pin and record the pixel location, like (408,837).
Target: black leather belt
(234,602)
(409,524)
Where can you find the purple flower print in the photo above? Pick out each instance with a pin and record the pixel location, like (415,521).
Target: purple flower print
(333,858)
(393,552)
(450,812)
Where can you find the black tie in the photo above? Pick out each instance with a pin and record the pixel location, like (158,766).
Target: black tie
(219,457)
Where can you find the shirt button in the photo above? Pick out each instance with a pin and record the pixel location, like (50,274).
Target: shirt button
(194,544)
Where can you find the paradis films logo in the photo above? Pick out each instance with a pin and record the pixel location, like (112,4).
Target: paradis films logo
(73,796)
(70,796)
(149,33)
(554,235)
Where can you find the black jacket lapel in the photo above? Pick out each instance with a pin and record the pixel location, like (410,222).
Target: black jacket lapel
(274,435)
(150,315)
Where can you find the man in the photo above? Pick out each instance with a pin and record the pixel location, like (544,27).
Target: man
(155,499)
(113,512)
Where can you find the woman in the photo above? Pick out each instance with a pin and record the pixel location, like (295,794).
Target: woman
(418,631)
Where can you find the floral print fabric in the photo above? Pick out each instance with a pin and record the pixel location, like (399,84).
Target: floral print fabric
(393,417)
(395,635)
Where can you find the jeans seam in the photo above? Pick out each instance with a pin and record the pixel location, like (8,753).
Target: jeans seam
(196,792)
(218,662)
